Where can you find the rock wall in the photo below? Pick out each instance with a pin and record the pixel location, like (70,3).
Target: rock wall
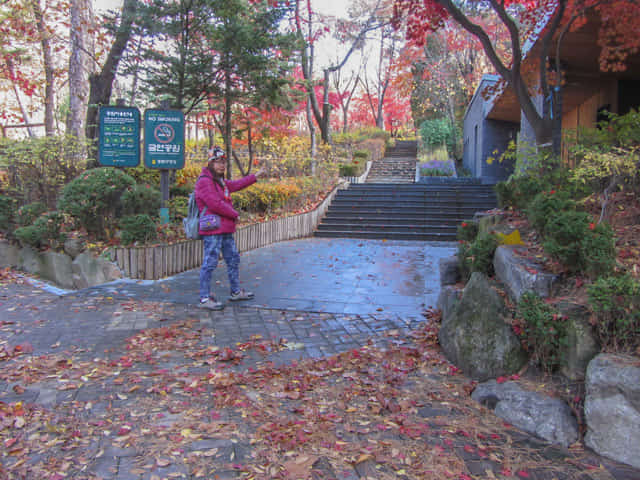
(83,270)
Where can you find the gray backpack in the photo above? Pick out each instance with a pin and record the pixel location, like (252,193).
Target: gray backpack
(192,221)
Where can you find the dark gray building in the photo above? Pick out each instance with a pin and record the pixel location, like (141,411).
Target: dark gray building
(486,138)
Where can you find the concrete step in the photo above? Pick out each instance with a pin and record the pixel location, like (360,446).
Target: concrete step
(392,195)
(393,228)
(377,234)
(443,218)
(391,206)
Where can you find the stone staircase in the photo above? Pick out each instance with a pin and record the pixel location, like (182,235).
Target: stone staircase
(405,211)
(397,166)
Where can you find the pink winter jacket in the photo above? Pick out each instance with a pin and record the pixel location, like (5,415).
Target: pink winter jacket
(211,194)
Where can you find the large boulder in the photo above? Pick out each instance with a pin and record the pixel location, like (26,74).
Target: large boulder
(476,337)
(74,246)
(519,274)
(57,268)
(449,271)
(89,271)
(30,261)
(448,299)
(548,418)
(612,407)
(9,254)
(582,344)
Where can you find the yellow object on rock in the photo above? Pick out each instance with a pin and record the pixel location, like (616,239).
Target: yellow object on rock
(511,239)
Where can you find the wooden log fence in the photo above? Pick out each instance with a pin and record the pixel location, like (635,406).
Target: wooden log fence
(160,261)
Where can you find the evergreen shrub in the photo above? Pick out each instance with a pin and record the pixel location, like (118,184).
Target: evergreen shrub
(141,199)
(48,230)
(580,244)
(7,207)
(347,170)
(180,191)
(137,228)
(178,207)
(477,256)
(545,204)
(27,214)
(467,231)
(563,240)
(517,192)
(598,251)
(543,330)
(93,199)
(615,301)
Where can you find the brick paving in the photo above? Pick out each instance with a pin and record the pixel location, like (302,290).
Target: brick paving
(92,331)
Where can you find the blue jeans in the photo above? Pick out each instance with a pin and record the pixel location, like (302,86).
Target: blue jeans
(212,245)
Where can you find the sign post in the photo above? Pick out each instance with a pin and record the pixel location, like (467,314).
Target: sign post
(164,147)
(119,136)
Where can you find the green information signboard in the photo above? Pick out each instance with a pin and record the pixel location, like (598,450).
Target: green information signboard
(119,143)
(164,139)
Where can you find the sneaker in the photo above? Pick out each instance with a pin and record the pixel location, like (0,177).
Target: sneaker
(241,295)
(211,304)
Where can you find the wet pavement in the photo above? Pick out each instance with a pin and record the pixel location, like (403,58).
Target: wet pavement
(332,371)
(349,276)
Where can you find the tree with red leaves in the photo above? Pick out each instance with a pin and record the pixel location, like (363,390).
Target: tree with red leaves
(530,22)
(353,34)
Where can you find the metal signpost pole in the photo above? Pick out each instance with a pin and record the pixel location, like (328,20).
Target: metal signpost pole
(164,147)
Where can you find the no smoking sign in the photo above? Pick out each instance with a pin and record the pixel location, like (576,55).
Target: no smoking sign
(164,139)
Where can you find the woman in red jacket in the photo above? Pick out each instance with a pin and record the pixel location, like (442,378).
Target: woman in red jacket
(213,192)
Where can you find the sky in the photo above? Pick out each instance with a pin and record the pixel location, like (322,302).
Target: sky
(326,49)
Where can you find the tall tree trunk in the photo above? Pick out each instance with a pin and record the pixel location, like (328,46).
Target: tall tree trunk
(80,63)
(227,119)
(312,137)
(323,121)
(102,82)
(249,144)
(25,114)
(49,106)
(134,82)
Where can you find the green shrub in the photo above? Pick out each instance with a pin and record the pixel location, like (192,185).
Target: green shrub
(145,176)
(580,245)
(544,331)
(615,302)
(38,168)
(178,207)
(7,207)
(180,191)
(347,170)
(137,228)
(598,251)
(262,197)
(437,132)
(93,198)
(467,231)
(360,135)
(563,239)
(518,192)
(27,214)
(141,199)
(504,193)
(477,256)
(48,230)
(361,155)
(544,205)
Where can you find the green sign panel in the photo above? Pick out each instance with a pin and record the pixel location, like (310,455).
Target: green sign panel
(164,139)
(119,143)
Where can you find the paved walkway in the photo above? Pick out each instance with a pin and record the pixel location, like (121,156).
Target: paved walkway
(130,381)
(319,275)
